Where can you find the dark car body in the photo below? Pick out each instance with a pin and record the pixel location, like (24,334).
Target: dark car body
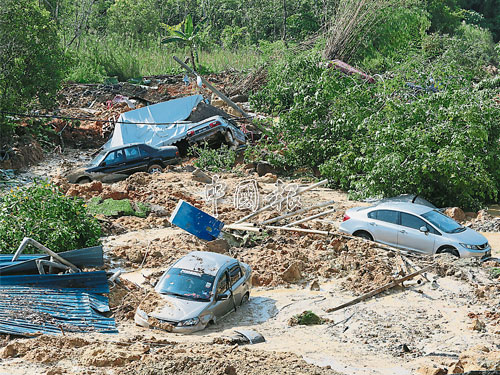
(215,131)
(117,163)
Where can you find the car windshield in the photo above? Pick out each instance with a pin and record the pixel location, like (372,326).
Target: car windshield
(443,222)
(97,160)
(187,284)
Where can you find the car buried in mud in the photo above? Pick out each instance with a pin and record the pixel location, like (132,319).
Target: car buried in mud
(199,289)
(117,163)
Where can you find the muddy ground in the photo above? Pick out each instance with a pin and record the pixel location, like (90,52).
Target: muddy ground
(451,321)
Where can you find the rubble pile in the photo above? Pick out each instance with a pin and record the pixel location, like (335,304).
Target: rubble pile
(151,355)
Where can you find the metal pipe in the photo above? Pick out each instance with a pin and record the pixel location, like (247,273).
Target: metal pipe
(298,212)
(311,217)
(302,230)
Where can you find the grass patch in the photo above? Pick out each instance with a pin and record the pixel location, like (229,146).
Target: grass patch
(115,208)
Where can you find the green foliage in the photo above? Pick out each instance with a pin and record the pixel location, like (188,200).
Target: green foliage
(122,207)
(388,138)
(32,62)
(445,15)
(495,272)
(391,40)
(137,18)
(233,37)
(185,34)
(213,160)
(306,318)
(43,213)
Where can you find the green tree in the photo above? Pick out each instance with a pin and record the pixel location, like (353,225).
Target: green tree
(185,34)
(137,18)
(32,62)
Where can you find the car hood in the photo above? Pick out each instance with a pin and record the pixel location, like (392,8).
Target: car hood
(176,309)
(468,236)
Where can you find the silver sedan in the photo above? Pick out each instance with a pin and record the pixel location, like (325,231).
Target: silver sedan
(200,288)
(414,227)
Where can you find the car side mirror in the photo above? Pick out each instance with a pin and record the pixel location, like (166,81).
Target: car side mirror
(424,229)
(103,164)
(222,297)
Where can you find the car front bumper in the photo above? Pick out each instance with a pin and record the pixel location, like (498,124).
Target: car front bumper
(468,253)
(142,319)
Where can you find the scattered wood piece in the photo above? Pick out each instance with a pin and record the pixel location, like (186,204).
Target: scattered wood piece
(379,290)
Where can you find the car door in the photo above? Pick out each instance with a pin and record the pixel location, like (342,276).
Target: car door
(223,307)
(236,282)
(135,161)
(384,225)
(114,162)
(411,237)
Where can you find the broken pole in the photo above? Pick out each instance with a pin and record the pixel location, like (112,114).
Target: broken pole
(298,212)
(302,230)
(311,217)
(379,290)
(217,92)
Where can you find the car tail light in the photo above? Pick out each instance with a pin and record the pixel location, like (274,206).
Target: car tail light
(214,124)
(176,153)
(346,217)
(190,133)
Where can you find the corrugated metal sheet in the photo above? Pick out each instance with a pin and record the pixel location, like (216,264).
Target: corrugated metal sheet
(87,257)
(54,304)
(92,282)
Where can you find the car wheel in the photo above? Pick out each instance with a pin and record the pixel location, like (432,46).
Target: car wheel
(83,180)
(245,299)
(363,234)
(155,168)
(450,250)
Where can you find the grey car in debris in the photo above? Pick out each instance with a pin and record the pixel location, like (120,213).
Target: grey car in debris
(200,288)
(414,227)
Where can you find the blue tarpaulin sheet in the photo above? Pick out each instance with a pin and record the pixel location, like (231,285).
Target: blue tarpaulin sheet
(53,304)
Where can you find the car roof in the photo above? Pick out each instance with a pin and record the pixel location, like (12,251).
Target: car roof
(204,261)
(408,198)
(127,145)
(414,208)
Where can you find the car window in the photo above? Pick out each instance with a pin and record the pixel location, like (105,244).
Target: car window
(235,274)
(132,153)
(372,215)
(222,284)
(388,216)
(411,221)
(186,284)
(115,157)
(443,222)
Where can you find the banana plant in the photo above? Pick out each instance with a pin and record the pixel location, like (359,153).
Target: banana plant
(186,35)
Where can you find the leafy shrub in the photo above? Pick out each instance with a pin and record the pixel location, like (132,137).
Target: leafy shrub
(306,318)
(422,129)
(43,213)
(214,160)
